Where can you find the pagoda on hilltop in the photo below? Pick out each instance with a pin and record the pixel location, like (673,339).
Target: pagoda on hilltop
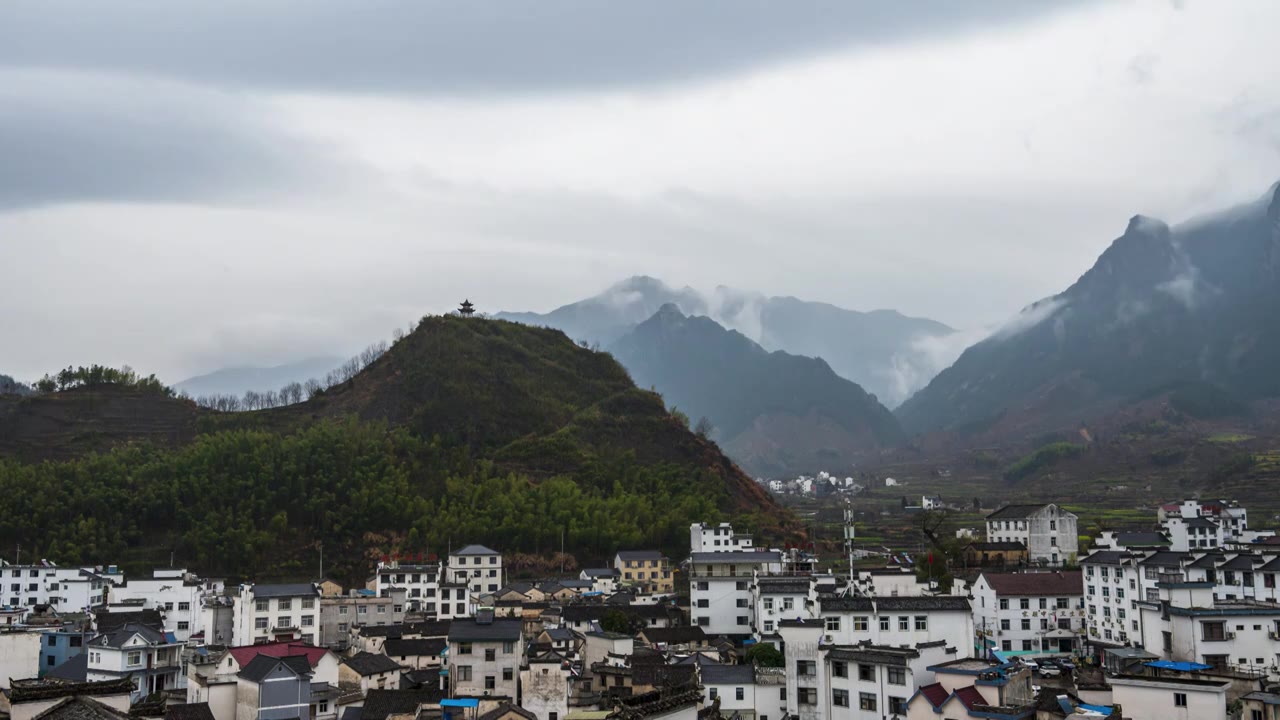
(466,309)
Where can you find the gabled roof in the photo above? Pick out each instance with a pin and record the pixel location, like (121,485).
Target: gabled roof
(679,635)
(1200,521)
(263,665)
(126,632)
(1016,512)
(367,663)
(1141,538)
(378,704)
(935,694)
(727,674)
(969,696)
(285,590)
(1036,584)
(75,668)
(1209,560)
(737,556)
(998,546)
(1241,562)
(600,572)
(188,711)
(245,654)
(1166,559)
(109,621)
(475,550)
(1106,557)
(468,630)
(401,647)
(79,707)
(506,710)
(625,555)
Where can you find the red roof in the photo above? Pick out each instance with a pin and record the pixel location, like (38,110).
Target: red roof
(1040,583)
(970,697)
(245,653)
(935,694)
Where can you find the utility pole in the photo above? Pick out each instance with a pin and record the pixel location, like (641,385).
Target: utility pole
(321,560)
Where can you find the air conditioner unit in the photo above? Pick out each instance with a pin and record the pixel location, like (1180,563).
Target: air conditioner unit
(1231,636)
(1274,635)
(827,639)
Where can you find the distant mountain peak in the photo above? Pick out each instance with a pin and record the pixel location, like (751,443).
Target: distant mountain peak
(1145,225)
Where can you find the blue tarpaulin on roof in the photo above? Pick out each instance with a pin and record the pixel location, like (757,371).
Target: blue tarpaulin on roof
(463,702)
(1100,709)
(1179,666)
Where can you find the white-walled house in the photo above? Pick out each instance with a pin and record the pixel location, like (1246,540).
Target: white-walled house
(706,538)
(485,656)
(1186,624)
(277,612)
(150,658)
(1048,532)
(174,592)
(69,589)
(1169,698)
(420,582)
(1039,612)
(544,687)
(478,567)
(720,588)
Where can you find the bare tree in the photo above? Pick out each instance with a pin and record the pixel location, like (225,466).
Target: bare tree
(252,400)
(312,387)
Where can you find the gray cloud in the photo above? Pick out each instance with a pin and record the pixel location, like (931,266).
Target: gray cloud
(69,137)
(463,47)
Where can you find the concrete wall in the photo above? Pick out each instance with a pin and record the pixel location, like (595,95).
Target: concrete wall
(19,656)
(1155,701)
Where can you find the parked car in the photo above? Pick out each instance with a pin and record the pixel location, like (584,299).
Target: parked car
(1029,664)
(1050,670)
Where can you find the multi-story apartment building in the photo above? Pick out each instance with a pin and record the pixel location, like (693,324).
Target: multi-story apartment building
(704,537)
(1034,612)
(59,645)
(66,589)
(479,567)
(775,599)
(832,680)
(1186,623)
(1207,524)
(150,658)
(420,581)
(485,657)
(648,571)
(896,621)
(276,612)
(174,592)
(339,613)
(720,588)
(1047,531)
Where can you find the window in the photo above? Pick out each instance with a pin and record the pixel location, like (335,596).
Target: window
(840,698)
(342,627)
(75,640)
(362,610)
(1044,603)
(702,585)
(260,623)
(839,668)
(184,607)
(866,701)
(922,622)
(1179,699)
(897,676)
(742,585)
(713,693)
(807,696)
(490,654)
(1213,631)
(308,603)
(897,705)
(867,673)
(1004,624)
(53,641)
(135,658)
(508,673)
(1004,603)
(833,624)
(788,603)
(768,604)
(508,647)
(308,621)
(739,694)
(464,648)
(806,667)
(742,620)
(286,604)
(1026,624)
(704,603)
(884,623)
(262,606)
(342,609)
(183,625)
(1024,603)
(859,624)
(282,621)
(744,602)
(1026,645)
(464,673)
(904,623)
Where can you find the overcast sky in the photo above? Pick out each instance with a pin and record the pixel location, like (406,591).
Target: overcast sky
(185,186)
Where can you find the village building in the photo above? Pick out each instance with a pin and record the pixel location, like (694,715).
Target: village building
(276,612)
(649,571)
(1048,532)
(1032,612)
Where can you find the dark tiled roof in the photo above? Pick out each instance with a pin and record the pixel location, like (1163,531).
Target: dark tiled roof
(560,634)
(874,655)
(737,556)
(1200,521)
(935,694)
(367,663)
(378,704)
(469,630)
(1016,512)
(728,674)
(600,572)
(660,674)
(587,613)
(81,708)
(1166,559)
(109,621)
(970,697)
(75,669)
(1241,562)
(262,665)
(475,550)
(400,647)
(507,710)
(1208,561)
(188,711)
(284,590)
(903,602)
(352,713)
(998,546)
(1272,566)
(123,634)
(1144,538)
(30,690)
(1034,584)
(626,555)
(1106,557)
(679,635)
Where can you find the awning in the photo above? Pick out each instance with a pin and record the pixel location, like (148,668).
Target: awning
(1178,666)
